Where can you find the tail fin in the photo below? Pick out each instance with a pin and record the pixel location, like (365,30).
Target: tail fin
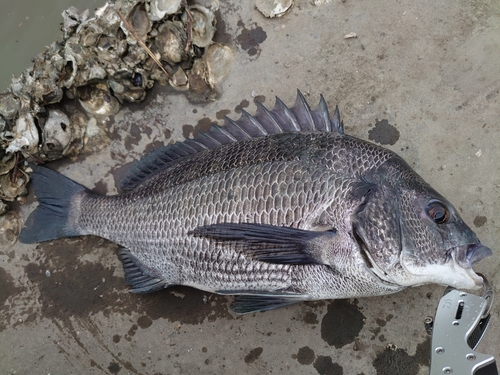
(49,220)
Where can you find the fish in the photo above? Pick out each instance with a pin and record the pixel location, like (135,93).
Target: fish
(274,208)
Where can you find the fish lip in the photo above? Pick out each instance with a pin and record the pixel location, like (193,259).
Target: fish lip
(477,252)
(467,255)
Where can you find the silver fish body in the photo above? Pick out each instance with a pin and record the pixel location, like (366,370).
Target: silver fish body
(276,208)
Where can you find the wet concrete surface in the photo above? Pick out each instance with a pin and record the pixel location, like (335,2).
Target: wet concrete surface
(422,80)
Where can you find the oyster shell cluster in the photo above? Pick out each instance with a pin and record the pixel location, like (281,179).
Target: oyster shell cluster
(103,63)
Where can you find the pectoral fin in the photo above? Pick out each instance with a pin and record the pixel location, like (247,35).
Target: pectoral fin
(270,243)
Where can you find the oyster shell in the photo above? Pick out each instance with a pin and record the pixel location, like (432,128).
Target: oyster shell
(7,163)
(199,88)
(273,8)
(96,100)
(130,86)
(9,105)
(171,41)
(72,18)
(3,125)
(138,19)
(44,81)
(218,61)
(11,188)
(203,25)
(25,136)
(10,227)
(57,134)
(160,8)
(179,80)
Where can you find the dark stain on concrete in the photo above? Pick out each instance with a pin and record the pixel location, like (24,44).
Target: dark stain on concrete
(144,321)
(100,188)
(384,133)
(260,99)
(221,115)
(114,368)
(253,355)
(375,332)
(422,353)
(479,221)
(134,136)
(305,356)
(221,34)
(203,125)
(315,304)
(244,104)
(187,130)
(249,39)
(132,330)
(325,366)
(116,339)
(7,289)
(395,361)
(76,289)
(119,174)
(153,146)
(381,322)
(342,323)
(310,318)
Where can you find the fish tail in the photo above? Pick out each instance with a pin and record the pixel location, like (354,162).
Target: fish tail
(50,219)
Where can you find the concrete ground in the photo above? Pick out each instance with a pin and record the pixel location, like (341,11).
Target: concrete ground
(422,78)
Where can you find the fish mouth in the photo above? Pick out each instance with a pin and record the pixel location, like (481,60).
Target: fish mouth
(467,255)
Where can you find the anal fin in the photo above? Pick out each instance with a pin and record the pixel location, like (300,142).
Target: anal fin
(136,276)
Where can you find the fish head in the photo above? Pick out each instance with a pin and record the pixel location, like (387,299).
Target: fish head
(411,235)
(437,246)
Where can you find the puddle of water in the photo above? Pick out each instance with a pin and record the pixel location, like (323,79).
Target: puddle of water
(28,26)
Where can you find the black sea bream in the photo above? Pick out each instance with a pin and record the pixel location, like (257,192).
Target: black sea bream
(276,208)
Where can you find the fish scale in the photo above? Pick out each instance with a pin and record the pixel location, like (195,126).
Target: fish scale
(275,208)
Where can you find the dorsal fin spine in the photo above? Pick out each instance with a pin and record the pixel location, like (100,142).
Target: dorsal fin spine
(281,107)
(254,122)
(303,113)
(337,122)
(236,128)
(226,133)
(269,116)
(322,116)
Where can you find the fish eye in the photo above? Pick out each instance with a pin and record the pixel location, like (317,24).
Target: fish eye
(437,211)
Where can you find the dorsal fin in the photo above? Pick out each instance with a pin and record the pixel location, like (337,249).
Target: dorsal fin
(281,119)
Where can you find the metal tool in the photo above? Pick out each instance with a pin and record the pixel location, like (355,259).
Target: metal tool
(460,323)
